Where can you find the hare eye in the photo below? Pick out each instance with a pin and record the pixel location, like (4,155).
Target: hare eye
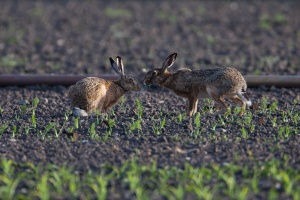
(154,73)
(130,80)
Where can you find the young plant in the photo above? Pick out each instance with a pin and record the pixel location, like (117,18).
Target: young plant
(139,108)
(158,126)
(197,120)
(274,122)
(14,131)
(244,132)
(3,128)
(179,118)
(136,125)
(92,131)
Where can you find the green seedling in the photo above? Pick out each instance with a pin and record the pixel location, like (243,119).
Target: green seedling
(136,125)
(273,106)
(92,131)
(210,39)
(42,187)
(117,13)
(14,131)
(3,128)
(211,181)
(252,128)
(139,108)
(23,109)
(197,120)
(280,18)
(158,126)
(274,122)
(168,16)
(33,120)
(244,132)
(264,22)
(76,123)
(180,118)
(100,187)
(35,103)
(213,126)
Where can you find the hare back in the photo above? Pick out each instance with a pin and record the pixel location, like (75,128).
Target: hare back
(227,80)
(88,93)
(186,80)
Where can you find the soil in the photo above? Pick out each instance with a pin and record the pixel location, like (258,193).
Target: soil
(75,37)
(173,145)
(78,37)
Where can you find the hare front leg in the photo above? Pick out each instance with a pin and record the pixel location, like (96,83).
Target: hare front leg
(192,105)
(238,100)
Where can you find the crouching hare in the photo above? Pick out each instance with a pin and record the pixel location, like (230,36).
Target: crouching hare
(92,93)
(215,83)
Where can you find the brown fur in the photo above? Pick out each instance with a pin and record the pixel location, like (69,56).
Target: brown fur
(215,83)
(92,93)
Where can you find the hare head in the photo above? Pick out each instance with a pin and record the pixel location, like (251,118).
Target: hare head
(157,76)
(126,82)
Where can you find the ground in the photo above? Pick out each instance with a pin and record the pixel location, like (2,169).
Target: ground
(72,37)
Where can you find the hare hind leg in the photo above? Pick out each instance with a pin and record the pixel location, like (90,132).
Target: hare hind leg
(219,100)
(214,94)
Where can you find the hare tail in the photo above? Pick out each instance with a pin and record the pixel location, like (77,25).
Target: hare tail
(243,95)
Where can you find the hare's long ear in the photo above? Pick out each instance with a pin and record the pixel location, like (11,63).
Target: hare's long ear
(117,65)
(169,61)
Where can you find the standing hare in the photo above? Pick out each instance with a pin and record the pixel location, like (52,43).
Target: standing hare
(92,93)
(215,83)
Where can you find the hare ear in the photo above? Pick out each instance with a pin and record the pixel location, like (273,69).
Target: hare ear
(169,61)
(117,65)
(120,65)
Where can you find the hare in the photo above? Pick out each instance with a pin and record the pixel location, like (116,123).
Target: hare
(215,83)
(93,93)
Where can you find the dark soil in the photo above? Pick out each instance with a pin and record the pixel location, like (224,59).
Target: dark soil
(174,145)
(77,37)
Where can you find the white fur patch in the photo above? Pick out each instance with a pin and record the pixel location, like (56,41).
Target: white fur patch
(79,112)
(248,102)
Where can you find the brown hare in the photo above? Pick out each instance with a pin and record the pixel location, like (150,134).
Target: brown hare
(92,93)
(215,83)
